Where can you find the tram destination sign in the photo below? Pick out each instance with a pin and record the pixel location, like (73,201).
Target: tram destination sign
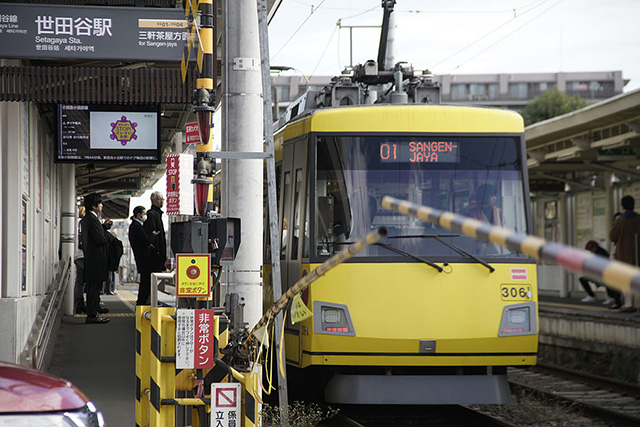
(98,33)
(426,151)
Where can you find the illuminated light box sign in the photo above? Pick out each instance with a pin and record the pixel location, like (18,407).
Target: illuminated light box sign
(92,33)
(88,134)
(420,152)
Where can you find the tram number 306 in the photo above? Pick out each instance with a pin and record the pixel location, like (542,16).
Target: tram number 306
(515,292)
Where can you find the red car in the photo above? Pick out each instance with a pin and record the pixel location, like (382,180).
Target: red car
(36,399)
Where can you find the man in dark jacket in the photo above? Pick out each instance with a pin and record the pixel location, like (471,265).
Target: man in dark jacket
(95,242)
(154,228)
(142,251)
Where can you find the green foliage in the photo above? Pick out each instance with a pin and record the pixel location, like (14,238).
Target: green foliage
(300,415)
(550,104)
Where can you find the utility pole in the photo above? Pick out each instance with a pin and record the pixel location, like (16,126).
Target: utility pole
(242,178)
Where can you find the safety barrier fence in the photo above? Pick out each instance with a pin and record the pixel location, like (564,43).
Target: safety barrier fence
(166,396)
(618,275)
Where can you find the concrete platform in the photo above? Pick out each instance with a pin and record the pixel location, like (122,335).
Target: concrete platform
(100,358)
(590,337)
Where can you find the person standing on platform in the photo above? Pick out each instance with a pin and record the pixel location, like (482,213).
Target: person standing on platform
(95,241)
(625,234)
(142,252)
(110,283)
(613,296)
(154,228)
(78,290)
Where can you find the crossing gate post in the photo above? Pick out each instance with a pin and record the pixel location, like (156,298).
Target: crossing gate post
(162,366)
(143,334)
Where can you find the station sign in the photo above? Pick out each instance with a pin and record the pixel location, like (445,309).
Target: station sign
(92,33)
(193,275)
(194,339)
(226,404)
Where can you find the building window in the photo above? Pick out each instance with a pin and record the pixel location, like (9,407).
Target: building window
(459,92)
(493,91)
(283,93)
(518,90)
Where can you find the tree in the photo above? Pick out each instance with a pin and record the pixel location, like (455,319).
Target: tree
(550,104)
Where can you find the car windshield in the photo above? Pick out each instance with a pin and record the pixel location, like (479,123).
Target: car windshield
(476,176)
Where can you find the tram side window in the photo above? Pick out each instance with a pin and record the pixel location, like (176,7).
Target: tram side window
(297,204)
(285,215)
(305,231)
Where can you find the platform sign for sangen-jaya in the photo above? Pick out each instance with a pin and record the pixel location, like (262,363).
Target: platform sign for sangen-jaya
(193,277)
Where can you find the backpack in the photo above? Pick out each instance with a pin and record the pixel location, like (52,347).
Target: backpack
(115,253)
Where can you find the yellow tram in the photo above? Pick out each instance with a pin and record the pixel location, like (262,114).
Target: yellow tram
(427,316)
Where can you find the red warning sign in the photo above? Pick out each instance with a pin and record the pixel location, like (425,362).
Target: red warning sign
(225,404)
(226,397)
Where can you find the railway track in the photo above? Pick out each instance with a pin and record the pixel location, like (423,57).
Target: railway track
(607,399)
(420,415)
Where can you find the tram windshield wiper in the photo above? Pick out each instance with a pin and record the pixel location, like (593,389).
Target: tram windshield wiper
(439,237)
(408,255)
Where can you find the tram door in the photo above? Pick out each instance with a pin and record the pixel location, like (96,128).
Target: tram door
(294,164)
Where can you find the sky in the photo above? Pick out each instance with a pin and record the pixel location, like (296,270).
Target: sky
(463,36)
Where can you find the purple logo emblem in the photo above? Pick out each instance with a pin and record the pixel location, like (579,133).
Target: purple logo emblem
(124,130)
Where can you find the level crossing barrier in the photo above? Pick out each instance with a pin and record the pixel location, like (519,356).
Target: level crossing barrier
(618,275)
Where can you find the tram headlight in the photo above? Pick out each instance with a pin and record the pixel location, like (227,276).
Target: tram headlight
(334,319)
(331,315)
(518,319)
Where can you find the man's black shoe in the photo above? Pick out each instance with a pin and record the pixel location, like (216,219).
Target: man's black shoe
(97,319)
(102,310)
(81,309)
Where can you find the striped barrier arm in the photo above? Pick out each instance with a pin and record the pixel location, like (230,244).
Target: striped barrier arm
(621,276)
(321,270)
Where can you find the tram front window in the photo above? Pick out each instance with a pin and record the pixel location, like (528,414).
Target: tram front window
(479,177)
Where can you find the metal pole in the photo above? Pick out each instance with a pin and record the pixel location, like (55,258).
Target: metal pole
(68,228)
(271,194)
(244,130)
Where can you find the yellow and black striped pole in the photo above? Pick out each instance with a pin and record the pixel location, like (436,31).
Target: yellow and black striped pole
(162,366)
(302,284)
(616,274)
(143,345)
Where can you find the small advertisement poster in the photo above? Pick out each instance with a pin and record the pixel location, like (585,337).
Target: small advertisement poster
(179,186)
(194,339)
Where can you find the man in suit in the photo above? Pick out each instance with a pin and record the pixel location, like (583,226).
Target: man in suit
(95,243)
(142,252)
(154,228)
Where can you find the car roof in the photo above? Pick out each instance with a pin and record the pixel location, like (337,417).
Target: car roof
(28,390)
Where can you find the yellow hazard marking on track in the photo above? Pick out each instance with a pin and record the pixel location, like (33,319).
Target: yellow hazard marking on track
(109,315)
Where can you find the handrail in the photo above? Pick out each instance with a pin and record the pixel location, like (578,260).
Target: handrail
(53,305)
(154,285)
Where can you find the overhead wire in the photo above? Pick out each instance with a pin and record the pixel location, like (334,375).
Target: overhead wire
(298,29)
(507,35)
(323,52)
(536,4)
